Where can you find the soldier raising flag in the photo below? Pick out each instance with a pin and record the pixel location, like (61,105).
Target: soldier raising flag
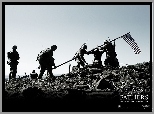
(97,55)
(79,57)
(111,59)
(108,47)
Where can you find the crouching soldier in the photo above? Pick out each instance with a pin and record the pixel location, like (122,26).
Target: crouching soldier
(33,75)
(97,56)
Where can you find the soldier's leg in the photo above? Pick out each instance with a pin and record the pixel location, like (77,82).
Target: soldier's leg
(14,71)
(50,72)
(111,62)
(49,68)
(41,72)
(106,62)
(117,62)
(78,63)
(82,63)
(10,75)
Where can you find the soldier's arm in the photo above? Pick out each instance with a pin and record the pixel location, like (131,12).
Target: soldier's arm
(90,52)
(80,53)
(17,55)
(52,59)
(103,49)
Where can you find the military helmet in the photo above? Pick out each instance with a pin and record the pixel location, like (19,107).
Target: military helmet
(85,46)
(54,47)
(106,41)
(14,47)
(33,71)
(97,49)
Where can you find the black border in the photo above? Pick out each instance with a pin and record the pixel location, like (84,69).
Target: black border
(67,3)
(151,52)
(77,3)
(3,53)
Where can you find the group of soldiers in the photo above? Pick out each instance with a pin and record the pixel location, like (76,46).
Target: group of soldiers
(111,56)
(46,59)
(46,62)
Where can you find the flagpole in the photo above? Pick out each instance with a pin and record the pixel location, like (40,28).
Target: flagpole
(65,62)
(111,41)
(70,59)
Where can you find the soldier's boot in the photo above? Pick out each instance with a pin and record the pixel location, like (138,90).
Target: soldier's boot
(42,70)
(51,76)
(10,76)
(14,74)
(41,74)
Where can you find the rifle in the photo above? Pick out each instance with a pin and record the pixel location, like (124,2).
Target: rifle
(72,58)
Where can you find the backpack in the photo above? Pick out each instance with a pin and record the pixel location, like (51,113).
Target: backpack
(43,54)
(9,55)
(13,55)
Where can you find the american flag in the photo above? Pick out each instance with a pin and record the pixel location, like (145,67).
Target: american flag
(127,37)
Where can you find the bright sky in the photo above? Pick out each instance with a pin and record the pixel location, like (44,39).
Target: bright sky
(36,27)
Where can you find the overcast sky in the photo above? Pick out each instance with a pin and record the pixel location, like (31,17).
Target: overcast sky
(36,27)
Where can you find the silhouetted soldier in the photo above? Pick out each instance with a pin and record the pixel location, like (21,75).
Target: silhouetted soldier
(33,75)
(97,55)
(13,62)
(46,62)
(111,59)
(80,56)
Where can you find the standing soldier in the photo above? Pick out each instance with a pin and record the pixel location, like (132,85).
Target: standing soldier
(13,62)
(111,59)
(80,56)
(46,61)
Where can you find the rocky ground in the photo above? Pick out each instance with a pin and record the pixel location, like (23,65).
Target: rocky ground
(89,89)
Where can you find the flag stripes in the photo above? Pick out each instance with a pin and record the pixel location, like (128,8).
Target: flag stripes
(133,44)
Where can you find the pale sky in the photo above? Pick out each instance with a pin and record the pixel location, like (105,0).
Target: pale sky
(36,27)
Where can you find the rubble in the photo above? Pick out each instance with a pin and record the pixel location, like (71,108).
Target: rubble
(119,79)
(83,85)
